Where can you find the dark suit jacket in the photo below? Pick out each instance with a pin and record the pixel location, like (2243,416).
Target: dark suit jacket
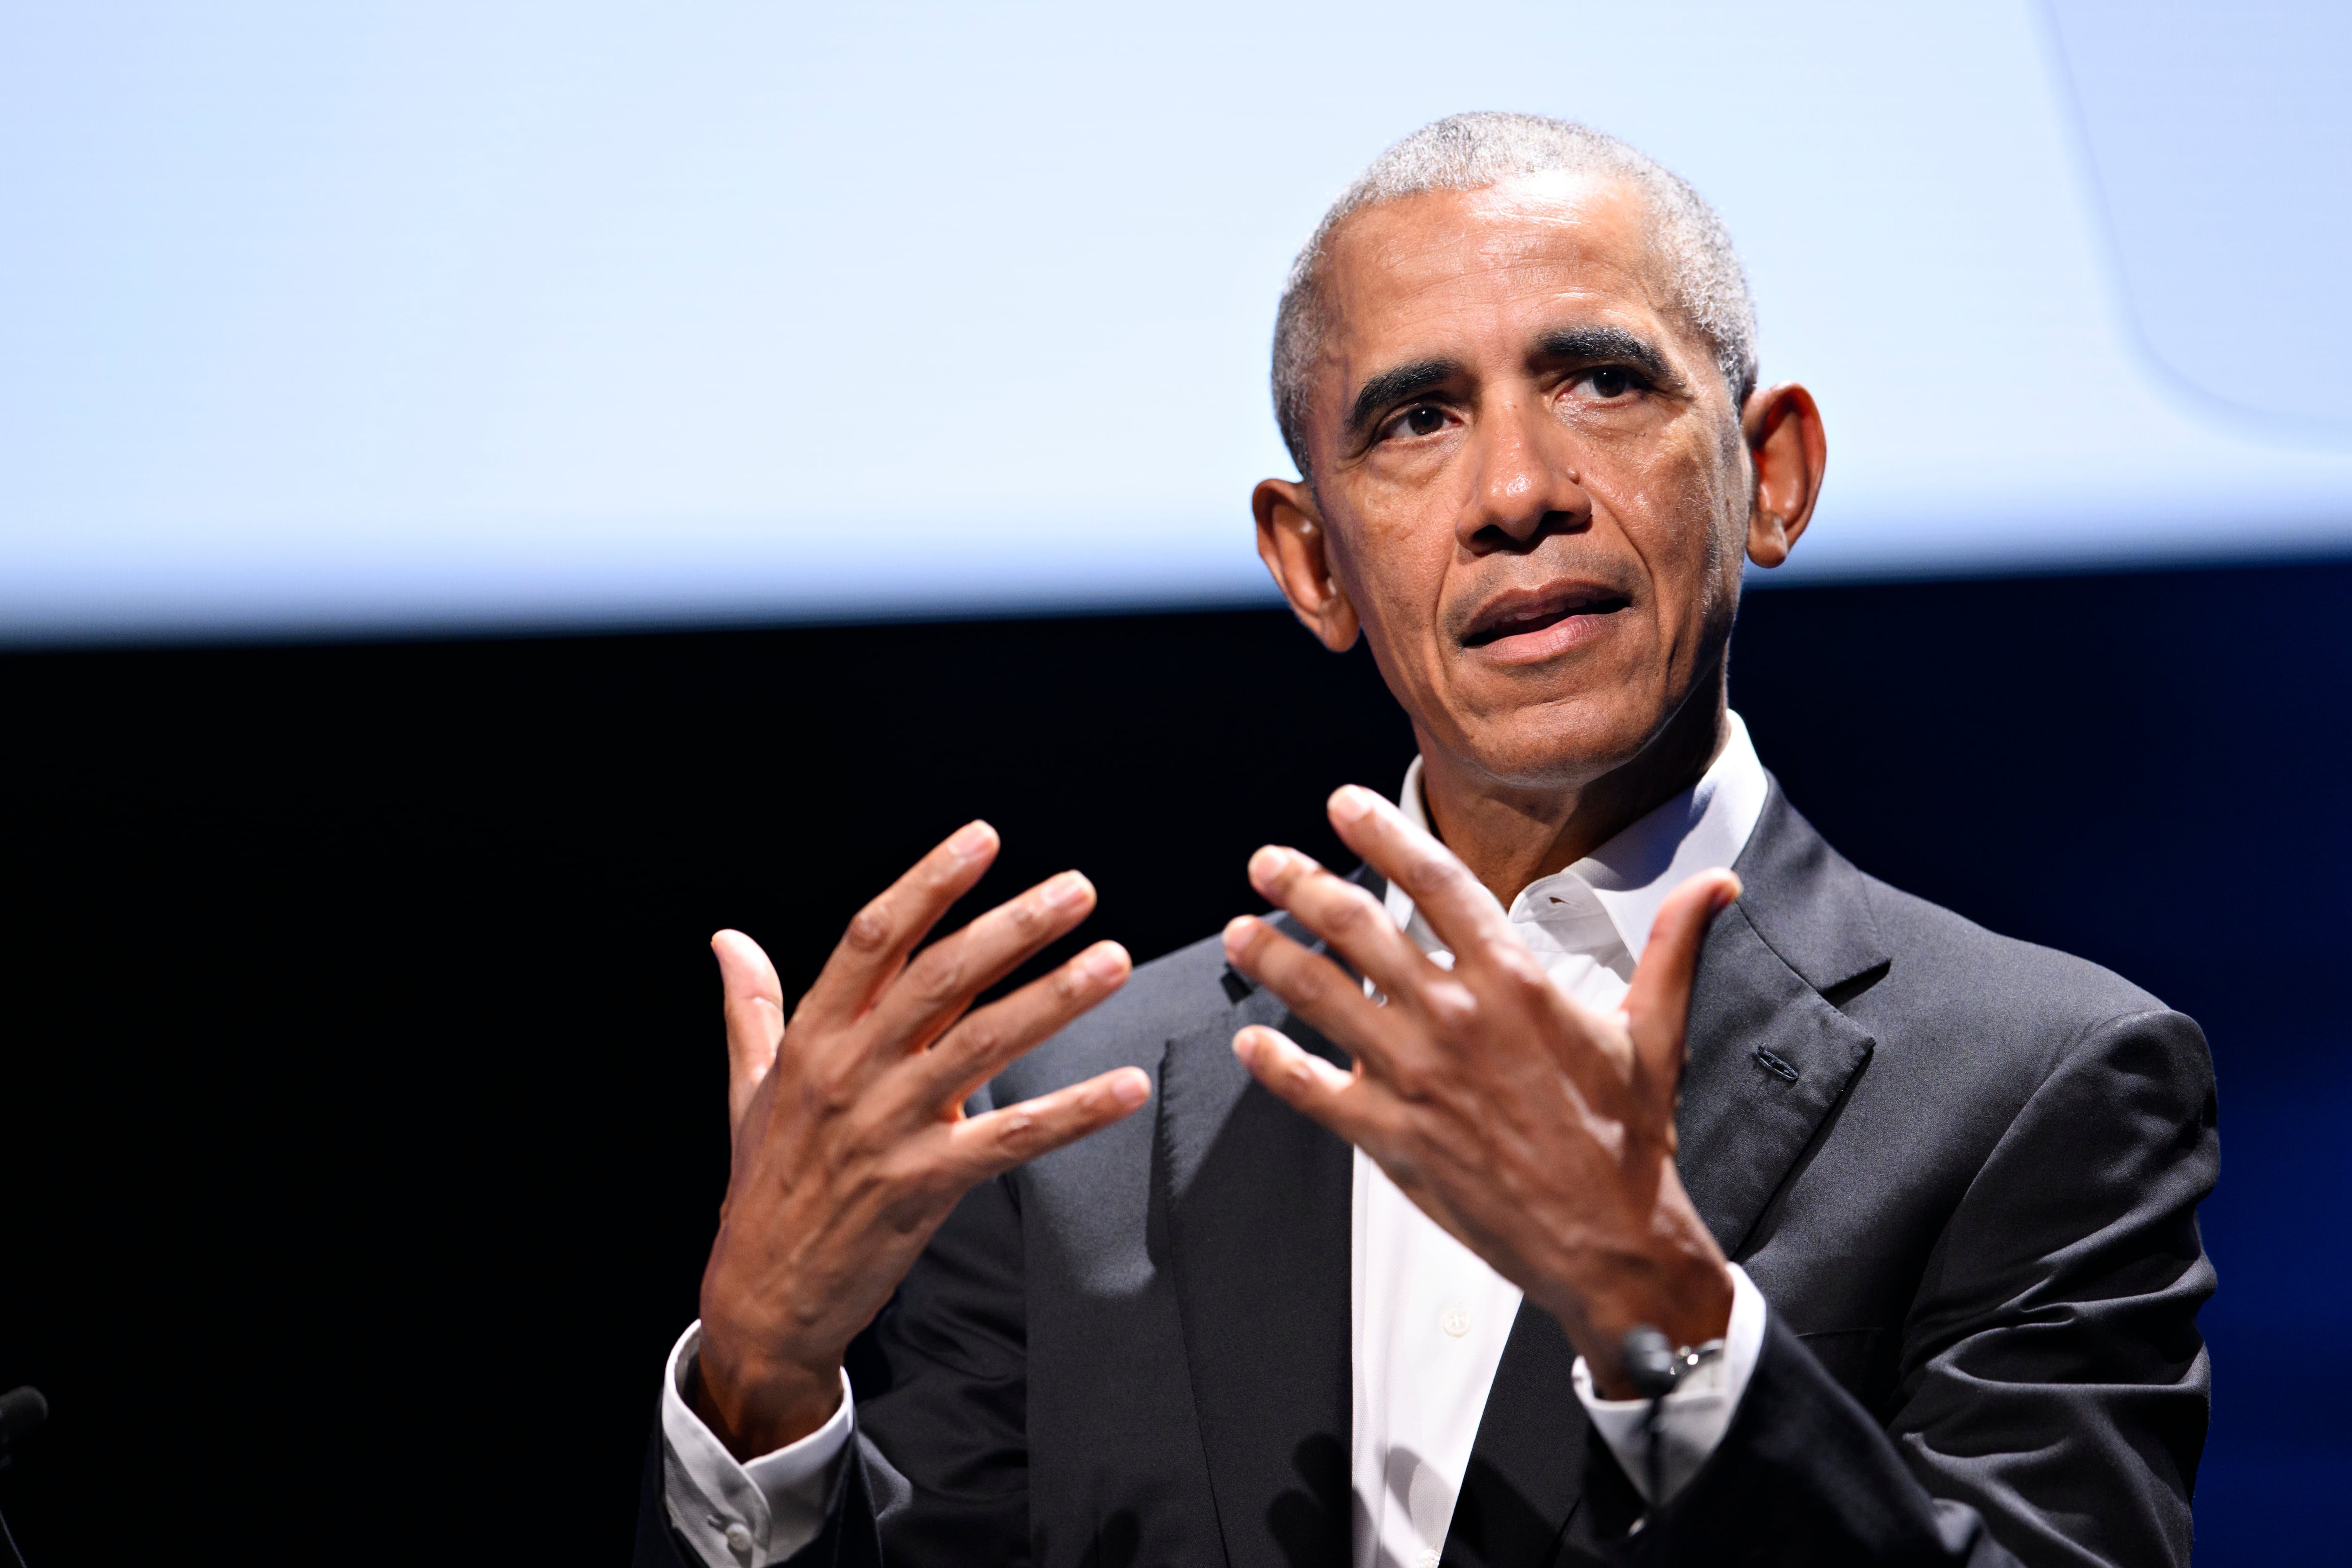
(1963,1171)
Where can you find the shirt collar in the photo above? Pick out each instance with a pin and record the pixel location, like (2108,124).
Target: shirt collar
(1704,827)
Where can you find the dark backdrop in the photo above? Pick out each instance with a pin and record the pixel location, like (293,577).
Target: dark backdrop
(359,1065)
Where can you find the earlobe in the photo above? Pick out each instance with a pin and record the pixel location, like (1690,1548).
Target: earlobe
(1292,542)
(1789,450)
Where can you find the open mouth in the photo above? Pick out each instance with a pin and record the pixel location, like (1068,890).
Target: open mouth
(1536,613)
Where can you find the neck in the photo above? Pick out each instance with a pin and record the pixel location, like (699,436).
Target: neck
(1509,835)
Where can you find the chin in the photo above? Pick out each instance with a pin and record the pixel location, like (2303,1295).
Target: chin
(1563,745)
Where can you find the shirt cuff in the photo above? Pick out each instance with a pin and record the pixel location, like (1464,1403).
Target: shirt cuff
(1696,1414)
(736,1515)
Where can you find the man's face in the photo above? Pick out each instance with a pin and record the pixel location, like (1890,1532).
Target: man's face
(1530,473)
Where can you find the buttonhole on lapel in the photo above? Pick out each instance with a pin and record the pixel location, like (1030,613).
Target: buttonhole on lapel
(1236,988)
(1775,1066)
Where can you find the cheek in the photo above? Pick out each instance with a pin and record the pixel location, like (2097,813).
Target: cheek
(1397,570)
(1675,512)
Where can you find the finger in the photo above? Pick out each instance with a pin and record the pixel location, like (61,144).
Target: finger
(753,1002)
(984,1044)
(944,977)
(1350,919)
(1305,1081)
(992,1143)
(1318,990)
(1657,1004)
(1457,906)
(885,931)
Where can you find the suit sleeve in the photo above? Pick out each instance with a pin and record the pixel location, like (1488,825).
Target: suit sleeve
(2052,1397)
(941,1471)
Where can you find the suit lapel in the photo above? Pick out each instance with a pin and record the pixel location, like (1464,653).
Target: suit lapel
(1803,925)
(1768,1055)
(1255,1200)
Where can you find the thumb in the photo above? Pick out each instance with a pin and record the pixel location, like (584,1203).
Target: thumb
(754,1004)
(1657,1004)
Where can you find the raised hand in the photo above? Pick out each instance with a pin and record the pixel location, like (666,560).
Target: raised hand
(850,1140)
(1539,1133)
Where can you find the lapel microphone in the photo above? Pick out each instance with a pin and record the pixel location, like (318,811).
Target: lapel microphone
(1650,1366)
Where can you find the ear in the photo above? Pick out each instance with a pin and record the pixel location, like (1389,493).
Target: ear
(1292,542)
(1785,441)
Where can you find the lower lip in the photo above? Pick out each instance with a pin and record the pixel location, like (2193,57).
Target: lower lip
(1563,636)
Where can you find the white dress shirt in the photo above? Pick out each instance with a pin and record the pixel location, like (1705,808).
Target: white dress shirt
(1431,1316)
(1428,1317)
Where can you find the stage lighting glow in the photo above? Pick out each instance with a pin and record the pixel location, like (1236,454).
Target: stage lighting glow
(438,315)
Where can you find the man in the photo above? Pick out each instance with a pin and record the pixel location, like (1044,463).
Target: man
(1920,1227)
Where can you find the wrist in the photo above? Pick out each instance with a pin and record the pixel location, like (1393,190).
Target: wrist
(759,1408)
(1689,1305)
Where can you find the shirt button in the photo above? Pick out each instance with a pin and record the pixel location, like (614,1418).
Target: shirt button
(739,1538)
(1457,1323)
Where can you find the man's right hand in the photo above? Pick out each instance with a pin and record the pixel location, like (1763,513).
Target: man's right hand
(851,1143)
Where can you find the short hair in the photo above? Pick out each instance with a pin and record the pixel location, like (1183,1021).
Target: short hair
(1472,152)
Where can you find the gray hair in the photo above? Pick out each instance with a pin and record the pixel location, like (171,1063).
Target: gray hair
(1472,152)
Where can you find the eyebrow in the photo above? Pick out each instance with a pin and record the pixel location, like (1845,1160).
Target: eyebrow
(1392,387)
(1590,343)
(1580,345)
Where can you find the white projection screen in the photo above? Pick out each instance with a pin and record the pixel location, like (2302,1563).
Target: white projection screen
(361,317)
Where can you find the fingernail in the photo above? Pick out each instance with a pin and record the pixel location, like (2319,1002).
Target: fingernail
(1106,963)
(1068,889)
(1350,802)
(1130,1088)
(1235,929)
(972,840)
(1266,865)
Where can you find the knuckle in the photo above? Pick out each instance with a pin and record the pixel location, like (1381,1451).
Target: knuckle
(939,974)
(980,1038)
(1521,969)
(1020,1133)
(830,1089)
(868,1144)
(1424,873)
(911,1193)
(1452,1008)
(1410,1081)
(869,928)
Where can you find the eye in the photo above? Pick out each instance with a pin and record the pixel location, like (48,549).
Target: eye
(1422,419)
(1609,381)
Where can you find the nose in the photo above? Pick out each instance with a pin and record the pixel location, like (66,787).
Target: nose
(1525,485)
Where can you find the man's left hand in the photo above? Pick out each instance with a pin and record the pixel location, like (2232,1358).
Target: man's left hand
(1540,1133)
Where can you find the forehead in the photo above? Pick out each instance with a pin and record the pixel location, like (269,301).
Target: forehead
(1426,273)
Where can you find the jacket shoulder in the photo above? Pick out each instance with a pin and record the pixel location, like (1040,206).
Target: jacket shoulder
(1950,957)
(1871,948)
(1996,1021)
